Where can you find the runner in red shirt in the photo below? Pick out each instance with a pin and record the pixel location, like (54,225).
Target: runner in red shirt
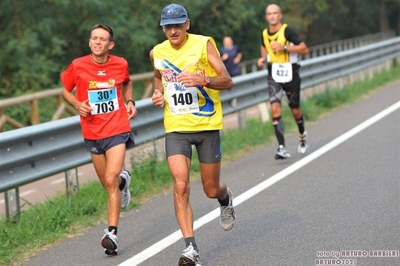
(101,82)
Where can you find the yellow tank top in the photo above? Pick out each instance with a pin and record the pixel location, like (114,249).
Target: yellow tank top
(193,57)
(279,36)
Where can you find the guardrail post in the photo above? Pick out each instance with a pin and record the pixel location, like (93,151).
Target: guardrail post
(13,207)
(242,119)
(254,67)
(264,112)
(158,148)
(387,65)
(370,73)
(71,181)
(341,83)
(361,75)
(351,78)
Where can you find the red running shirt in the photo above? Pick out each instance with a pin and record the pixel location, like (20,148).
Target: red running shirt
(102,85)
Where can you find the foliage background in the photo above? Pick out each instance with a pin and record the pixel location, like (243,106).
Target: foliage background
(41,37)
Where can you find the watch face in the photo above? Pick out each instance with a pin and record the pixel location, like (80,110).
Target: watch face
(208,79)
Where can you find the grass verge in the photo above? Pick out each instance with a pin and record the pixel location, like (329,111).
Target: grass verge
(64,216)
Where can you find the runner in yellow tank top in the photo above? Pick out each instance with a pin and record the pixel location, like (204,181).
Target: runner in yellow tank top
(279,36)
(188,77)
(279,49)
(194,108)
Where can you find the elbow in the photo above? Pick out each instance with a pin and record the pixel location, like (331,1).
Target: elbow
(64,94)
(304,48)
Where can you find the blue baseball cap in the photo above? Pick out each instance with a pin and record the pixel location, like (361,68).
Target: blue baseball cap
(173,14)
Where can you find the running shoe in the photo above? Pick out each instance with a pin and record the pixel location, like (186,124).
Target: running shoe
(189,257)
(303,145)
(125,193)
(282,153)
(109,242)
(227,218)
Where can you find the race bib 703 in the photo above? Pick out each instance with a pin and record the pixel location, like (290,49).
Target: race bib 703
(103,101)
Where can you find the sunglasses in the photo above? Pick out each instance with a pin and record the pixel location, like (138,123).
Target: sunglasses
(175,26)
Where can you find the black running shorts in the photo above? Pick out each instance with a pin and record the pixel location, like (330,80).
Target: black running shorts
(207,143)
(292,89)
(102,145)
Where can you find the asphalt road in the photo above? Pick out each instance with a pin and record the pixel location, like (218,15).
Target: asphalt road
(338,204)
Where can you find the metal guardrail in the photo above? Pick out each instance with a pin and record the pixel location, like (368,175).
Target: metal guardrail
(33,98)
(329,48)
(246,66)
(36,152)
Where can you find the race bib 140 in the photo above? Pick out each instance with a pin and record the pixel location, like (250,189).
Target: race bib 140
(182,100)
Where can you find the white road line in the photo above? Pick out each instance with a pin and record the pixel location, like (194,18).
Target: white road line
(174,237)
(57,181)
(54,182)
(62,179)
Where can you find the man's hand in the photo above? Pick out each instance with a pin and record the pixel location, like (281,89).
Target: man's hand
(224,57)
(189,79)
(131,109)
(84,108)
(276,46)
(261,62)
(158,98)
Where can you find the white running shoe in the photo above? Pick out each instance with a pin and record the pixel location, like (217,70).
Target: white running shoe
(303,145)
(109,242)
(227,217)
(189,257)
(282,153)
(125,193)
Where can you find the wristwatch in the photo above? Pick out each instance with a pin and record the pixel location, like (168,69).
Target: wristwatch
(207,80)
(132,101)
(285,48)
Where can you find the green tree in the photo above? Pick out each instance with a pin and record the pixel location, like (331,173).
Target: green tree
(41,37)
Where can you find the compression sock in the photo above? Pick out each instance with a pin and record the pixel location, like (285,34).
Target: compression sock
(110,228)
(189,240)
(279,128)
(300,124)
(225,201)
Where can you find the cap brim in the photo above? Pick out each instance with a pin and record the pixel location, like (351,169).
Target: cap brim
(171,21)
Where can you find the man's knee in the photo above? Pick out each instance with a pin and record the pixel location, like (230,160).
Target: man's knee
(276,109)
(296,112)
(181,189)
(111,182)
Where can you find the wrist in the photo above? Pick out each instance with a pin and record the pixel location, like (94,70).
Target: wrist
(206,81)
(132,101)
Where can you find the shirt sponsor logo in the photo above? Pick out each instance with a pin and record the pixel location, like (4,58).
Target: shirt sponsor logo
(101,84)
(169,75)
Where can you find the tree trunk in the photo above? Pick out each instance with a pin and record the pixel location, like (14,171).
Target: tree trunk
(383,17)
